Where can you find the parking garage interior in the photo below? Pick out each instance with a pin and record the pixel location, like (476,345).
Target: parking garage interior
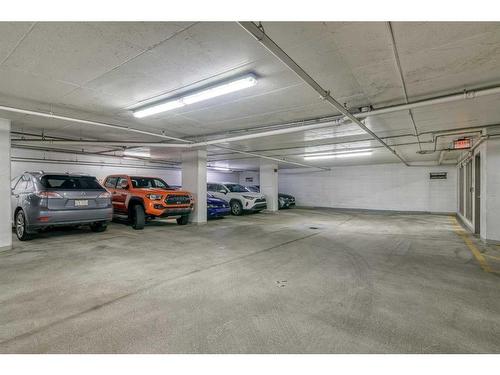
(386,134)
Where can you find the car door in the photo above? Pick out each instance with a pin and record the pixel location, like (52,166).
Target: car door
(14,196)
(110,185)
(121,194)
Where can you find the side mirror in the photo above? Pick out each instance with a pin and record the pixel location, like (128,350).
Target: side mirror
(124,185)
(223,191)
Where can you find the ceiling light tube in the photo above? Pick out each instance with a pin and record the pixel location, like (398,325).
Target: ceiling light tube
(241,83)
(222,169)
(335,152)
(341,155)
(137,152)
(158,108)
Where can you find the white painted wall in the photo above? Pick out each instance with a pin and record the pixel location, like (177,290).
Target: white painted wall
(5,209)
(378,187)
(171,176)
(249,174)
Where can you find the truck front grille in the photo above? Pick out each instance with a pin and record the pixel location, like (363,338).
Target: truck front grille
(177,199)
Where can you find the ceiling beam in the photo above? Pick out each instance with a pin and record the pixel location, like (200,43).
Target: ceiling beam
(397,62)
(259,34)
(88,122)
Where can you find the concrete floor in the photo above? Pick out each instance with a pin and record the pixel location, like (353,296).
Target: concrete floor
(301,281)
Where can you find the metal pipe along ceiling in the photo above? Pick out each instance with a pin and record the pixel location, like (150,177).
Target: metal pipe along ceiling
(397,62)
(88,122)
(276,50)
(310,124)
(281,160)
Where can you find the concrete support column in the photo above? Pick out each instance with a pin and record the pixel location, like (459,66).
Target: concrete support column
(269,183)
(5,208)
(194,180)
(490,190)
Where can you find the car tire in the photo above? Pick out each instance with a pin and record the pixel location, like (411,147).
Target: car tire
(183,220)
(236,208)
(138,217)
(20,225)
(98,226)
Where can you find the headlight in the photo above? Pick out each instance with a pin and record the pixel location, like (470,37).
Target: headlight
(154,197)
(248,197)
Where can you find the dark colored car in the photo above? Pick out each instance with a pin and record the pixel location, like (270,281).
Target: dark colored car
(41,200)
(284,200)
(217,207)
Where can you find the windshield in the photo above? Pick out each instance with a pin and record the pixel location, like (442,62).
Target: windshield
(236,188)
(148,183)
(253,189)
(65,182)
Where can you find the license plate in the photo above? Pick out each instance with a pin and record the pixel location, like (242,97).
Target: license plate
(81,202)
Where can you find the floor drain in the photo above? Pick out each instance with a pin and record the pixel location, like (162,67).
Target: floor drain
(313,228)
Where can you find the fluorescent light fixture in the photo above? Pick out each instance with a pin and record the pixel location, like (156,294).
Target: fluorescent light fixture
(222,169)
(337,152)
(337,155)
(223,89)
(158,108)
(241,83)
(137,152)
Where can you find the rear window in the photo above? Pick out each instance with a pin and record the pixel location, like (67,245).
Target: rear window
(63,182)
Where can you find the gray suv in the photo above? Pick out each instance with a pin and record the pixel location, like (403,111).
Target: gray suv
(41,200)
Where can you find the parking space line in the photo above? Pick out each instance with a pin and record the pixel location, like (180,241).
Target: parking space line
(472,247)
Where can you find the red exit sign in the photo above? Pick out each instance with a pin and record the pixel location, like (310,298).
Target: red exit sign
(462,143)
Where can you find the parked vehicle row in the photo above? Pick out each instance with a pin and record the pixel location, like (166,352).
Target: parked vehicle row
(238,197)
(41,200)
(284,200)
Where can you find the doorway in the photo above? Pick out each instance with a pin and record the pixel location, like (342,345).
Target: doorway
(477,194)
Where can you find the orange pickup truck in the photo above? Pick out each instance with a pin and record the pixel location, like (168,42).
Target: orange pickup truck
(137,198)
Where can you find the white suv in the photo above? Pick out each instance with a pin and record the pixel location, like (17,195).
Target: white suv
(238,197)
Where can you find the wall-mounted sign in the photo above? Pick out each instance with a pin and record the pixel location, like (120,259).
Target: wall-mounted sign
(248,179)
(462,143)
(438,175)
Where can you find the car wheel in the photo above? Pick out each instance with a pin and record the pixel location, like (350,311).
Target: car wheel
(183,220)
(98,226)
(21,233)
(138,218)
(236,208)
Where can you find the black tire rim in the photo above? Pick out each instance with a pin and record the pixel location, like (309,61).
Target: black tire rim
(236,208)
(20,224)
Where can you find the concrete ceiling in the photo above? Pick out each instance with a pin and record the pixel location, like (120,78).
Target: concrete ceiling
(100,71)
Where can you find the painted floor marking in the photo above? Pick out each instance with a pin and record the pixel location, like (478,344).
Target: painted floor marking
(472,247)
